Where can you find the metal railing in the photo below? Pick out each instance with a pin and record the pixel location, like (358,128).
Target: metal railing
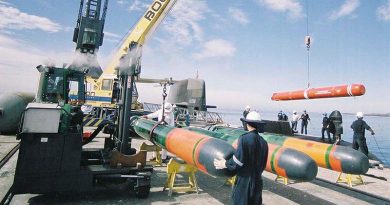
(198,116)
(151,107)
(194,115)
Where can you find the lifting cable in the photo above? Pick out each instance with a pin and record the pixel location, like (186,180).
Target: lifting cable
(307,42)
(162,121)
(379,149)
(163,104)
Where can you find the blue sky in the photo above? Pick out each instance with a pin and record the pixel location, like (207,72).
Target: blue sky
(244,49)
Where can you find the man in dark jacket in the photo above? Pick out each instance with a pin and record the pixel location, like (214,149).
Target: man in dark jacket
(249,162)
(284,117)
(325,127)
(305,120)
(359,127)
(280,116)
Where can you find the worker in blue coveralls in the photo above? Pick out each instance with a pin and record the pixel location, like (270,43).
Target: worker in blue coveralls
(359,127)
(248,162)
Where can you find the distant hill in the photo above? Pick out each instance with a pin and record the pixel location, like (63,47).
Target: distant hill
(378,114)
(372,114)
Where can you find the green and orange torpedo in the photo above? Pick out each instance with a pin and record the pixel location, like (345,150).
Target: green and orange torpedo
(194,148)
(334,157)
(199,147)
(281,161)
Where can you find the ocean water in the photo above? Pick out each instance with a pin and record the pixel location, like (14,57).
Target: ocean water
(379,144)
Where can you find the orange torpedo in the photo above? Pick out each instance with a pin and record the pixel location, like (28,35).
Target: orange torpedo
(322,92)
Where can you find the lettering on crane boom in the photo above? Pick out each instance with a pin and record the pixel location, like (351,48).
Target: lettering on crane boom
(149,15)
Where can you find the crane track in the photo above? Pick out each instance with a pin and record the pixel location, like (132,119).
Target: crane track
(359,194)
(8,196)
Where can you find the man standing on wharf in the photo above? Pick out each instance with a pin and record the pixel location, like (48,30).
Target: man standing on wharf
(325,128)
(305,119)
(294,121)
(359,127)
(248,162)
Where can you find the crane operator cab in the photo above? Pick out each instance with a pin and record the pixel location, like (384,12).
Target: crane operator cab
(53,111)
(55,84)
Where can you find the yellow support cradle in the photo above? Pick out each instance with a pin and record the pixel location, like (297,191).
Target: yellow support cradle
(156,150)
(282,179)
(230,181)
(350,179)
(174,167)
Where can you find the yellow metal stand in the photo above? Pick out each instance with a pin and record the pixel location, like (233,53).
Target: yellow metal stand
(174,167)
(230,181)
(155,149)
(350,179)
(282,179)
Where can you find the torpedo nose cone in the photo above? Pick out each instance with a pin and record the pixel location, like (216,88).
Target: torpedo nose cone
(12,106)
(298,165)
(353,162)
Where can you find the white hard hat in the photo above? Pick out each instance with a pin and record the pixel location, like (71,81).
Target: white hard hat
(359,115)
(253,117)
(247,107)
(294,111)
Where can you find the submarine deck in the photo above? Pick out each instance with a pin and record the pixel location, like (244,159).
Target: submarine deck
(322,190)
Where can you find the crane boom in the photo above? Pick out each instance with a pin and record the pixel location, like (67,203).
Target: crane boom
(100,91)
(143,29)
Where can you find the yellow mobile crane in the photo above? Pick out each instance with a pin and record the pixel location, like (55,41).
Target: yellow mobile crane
(102,92)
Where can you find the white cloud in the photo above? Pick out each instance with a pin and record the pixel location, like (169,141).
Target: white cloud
(138,5)
(383,12)
(13,18)
(183,22)
(4,2)
(112,35)
(18,60)
(292,7)
(346,9)
(216,48)
(239,16)
(18,53)
(122,2)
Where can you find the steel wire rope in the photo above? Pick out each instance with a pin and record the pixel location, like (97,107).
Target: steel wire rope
(379,149)
(307,42)
(162,121)
(373,136)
